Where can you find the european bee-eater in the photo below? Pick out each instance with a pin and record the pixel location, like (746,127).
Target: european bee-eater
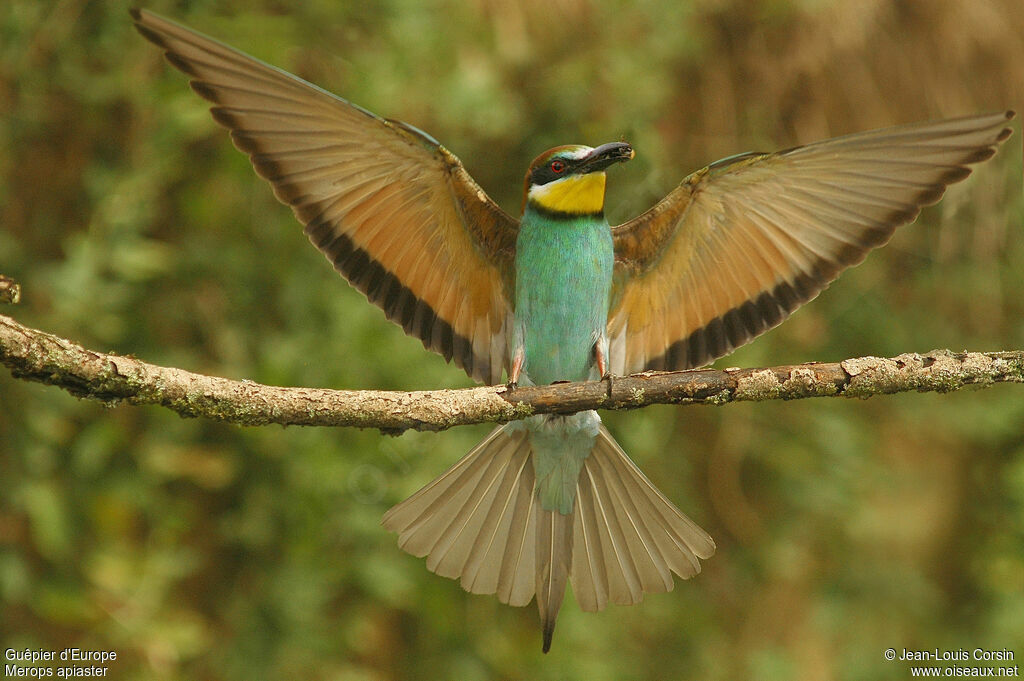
(560,295)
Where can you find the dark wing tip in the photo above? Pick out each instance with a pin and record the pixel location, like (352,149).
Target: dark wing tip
(149,34)
(160,40)
(201,88)
(979,155)
(177,61)
(224,117)
(1008,116)
(246,143)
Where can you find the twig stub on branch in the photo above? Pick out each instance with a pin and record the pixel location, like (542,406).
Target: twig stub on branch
(10,290)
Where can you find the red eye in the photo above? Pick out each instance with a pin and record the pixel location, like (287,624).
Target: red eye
(557,166)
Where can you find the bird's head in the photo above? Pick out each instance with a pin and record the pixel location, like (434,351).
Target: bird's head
(570,179)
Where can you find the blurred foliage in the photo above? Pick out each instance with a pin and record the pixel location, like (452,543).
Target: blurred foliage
(203,551)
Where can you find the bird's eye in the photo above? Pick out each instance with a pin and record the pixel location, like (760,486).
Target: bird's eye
(557,166)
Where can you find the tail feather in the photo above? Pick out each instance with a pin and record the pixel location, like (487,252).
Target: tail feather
(680,541)
(452,550)
(516,582)
(554,560)
(650,570)
(615,557)
(475,522)
(419,520)
(481,522)
(589,571)
(628,536)
(483,567)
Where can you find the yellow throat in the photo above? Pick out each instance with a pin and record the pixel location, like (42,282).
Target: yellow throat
(576,194)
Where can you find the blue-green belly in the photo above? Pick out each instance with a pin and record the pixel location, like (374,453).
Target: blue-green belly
(563,280)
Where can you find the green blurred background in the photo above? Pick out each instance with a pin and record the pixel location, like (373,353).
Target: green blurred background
(197,550)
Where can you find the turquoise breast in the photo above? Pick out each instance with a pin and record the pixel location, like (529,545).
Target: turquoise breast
(563,281)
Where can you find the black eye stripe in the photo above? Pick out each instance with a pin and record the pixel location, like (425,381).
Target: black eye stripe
(545,174)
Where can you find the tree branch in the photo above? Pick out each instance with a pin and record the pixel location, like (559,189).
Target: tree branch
(39,356)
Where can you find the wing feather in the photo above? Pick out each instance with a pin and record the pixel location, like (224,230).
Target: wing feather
(375,195)
(742,243)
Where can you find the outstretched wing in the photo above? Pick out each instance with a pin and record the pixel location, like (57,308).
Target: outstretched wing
(741,244)
(394,210)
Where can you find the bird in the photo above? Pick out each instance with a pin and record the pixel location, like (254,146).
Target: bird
(559,294)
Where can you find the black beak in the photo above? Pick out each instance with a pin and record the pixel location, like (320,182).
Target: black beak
(604,156)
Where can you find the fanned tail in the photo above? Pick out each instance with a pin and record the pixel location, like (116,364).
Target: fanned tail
(481,522)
